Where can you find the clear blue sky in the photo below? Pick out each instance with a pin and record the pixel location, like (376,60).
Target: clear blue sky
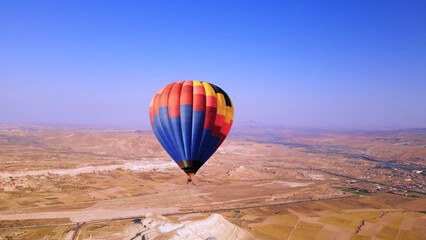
(304,63)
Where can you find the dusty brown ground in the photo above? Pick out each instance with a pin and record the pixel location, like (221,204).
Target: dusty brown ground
(86,174)
(376,216)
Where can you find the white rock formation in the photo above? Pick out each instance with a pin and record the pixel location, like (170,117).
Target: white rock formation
(214,226)
(237,171)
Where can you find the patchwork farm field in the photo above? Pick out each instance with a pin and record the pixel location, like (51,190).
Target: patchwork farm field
(119,184)
(376,216)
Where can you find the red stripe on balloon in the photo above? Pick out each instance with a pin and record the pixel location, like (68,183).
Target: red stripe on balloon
(156,104)
(210,117)
(225,133)
(218,123)
(211,101)
(199,90)
(164,96)
(151,115)
(199,103)
(174,100)
(186,94)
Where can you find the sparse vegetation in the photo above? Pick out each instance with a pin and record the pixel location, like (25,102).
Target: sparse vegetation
(99,175)
(32,222)
(355,191)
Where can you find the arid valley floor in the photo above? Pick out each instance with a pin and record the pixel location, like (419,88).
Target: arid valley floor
(265,182)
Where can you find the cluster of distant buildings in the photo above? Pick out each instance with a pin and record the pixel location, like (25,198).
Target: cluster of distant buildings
(394,180)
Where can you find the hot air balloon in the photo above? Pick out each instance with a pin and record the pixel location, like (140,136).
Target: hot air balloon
(191,119)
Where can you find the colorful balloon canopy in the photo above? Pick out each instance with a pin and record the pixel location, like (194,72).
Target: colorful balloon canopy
(191,119)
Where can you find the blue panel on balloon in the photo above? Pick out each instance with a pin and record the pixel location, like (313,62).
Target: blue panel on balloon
(209,145)
(197,131)
(160,134)
(213,148)
(164,118)
(177,132)
(186,123)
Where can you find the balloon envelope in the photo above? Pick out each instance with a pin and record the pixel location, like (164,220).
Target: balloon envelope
(191,119)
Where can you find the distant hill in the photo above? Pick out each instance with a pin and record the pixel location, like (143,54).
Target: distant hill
(265,130)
